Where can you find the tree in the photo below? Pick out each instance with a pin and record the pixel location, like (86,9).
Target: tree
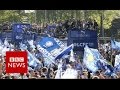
(10,16)
(115,28)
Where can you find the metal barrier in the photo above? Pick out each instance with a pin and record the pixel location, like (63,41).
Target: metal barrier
(104,39)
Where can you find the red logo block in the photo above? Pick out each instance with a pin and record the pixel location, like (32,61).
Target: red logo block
(16,62)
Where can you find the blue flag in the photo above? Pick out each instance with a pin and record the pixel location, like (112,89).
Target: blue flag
(115,45)
(94,61)
(1,43)
(31,43)
(23,46)
(53,48)
(96,53)
(33,61)
(6,42)
(89,59)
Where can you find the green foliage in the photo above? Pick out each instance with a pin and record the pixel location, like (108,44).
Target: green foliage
(109,16)
(43,16)
(9,15)
(115,28)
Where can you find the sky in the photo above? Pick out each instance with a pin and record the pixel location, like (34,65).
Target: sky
(29,11)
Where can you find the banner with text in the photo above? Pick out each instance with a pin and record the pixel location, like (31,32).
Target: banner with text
(53,48)
(80,38)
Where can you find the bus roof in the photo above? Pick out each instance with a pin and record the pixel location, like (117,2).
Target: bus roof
(21,24)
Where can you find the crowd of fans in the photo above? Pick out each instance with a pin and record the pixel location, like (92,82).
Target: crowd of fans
(62,27)
(44,71)
(57,29)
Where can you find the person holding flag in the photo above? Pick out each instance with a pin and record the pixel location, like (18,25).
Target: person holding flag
(94,61)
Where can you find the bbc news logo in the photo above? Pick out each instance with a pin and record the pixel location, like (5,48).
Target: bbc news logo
(16,62)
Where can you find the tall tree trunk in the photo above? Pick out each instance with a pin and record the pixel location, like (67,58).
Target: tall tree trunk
(61,14)
(75,11)
(72,14)
(48,14)
(85,14)
(55,15)
(45,12)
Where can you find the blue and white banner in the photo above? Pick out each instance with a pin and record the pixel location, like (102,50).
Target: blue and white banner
(23,46)
(80,38)
(53,48)
(19,30)
(89,59)
(31,43)
(33,61)
(115,45)
(94,61)
(7,35)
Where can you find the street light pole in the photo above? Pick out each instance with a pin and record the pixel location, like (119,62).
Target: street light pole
(102,28)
